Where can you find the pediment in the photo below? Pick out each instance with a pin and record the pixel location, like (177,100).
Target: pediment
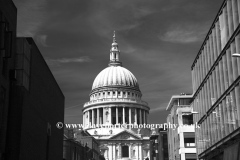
(125,135)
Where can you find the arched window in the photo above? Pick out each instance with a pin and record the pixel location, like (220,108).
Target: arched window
(125,151)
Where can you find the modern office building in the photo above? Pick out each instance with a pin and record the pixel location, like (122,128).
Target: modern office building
(8,22)
(163,144)
(216,90)
(181,139)
(36,104)
(116,99)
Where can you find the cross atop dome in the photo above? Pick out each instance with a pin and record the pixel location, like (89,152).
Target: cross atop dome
(114,53)
(114,37)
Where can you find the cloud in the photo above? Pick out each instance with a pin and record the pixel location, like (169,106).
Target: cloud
(57,62)
(42,39)
(162,108)
(185,34)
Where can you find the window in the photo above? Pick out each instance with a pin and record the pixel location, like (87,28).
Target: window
(129,93)
(23,62)
(5,44)
(189,142)
(108,93)
(113,93)
(118,93)
(187,119)
(223,29)
(185,101)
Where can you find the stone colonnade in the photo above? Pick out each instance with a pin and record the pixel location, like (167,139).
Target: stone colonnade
(115,115)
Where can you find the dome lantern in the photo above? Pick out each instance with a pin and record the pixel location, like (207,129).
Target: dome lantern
(114,53)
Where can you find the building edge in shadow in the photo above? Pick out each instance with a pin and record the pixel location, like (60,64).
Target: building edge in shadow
(31,102)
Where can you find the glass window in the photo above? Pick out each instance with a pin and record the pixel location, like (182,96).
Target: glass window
(189,142)
(187,119)
(185,101)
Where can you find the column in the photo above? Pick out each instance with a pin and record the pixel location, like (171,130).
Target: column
(110,115)
(116,115)
(123,115)
(130,147)
(140,151)
(140,117)
(98,116)
(137,148)
(135,116)
(114,151)
(130,115)
(92,116)
(182,155)
(88,119)
(120,151)
(110,151)
(144,118)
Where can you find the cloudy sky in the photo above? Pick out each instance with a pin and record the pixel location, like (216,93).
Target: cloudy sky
(158,39)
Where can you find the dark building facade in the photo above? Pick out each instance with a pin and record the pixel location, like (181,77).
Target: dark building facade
(8,19)
(159,145)
(216,88)
(36,104)
(31,102)
(163,145)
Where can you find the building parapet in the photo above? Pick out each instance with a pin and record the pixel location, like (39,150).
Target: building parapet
(186,128)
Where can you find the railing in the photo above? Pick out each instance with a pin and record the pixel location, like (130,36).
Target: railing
(104,100)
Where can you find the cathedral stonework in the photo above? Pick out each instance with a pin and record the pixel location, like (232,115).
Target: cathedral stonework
(115,109)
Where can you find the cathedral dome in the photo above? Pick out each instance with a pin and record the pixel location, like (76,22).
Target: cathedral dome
(116,76)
